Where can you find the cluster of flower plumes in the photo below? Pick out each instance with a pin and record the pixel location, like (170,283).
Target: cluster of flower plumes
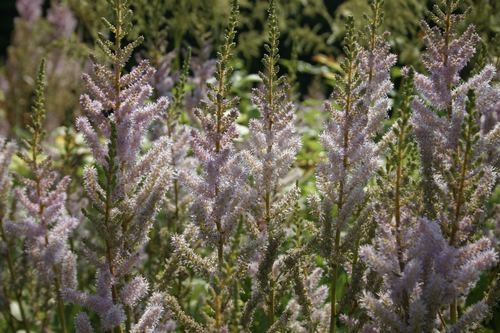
(188,225)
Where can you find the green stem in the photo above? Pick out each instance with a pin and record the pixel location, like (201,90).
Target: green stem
(111,167)
(128,321)
(218,289)
(345,163)
(458,205)
(60,302)
(107,221)
(236,305)
(453,311)
(447,35)
(333,286)
(271,305)
(397,214)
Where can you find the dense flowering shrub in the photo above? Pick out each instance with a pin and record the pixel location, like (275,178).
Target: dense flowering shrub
(195,198)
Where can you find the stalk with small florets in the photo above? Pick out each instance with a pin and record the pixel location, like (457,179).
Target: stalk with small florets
(360,104)
(47,224)
(218,189)
(453,128)
(269,153)
(126,185)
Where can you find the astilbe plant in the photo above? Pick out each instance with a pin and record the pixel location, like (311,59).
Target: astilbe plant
(434,274)
(194,223)
(427,266)
(360,103)
(125,186)
(456,148)
(44,222)
(214,149)
(218,189)
(269,154)
(421,272)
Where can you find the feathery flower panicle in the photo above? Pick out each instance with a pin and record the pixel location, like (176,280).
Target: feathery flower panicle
(217,186)
(219,196)
(127,184)
(360,105)
(45,222)
(274,142)
(180,162)
(269,154)
(129,112)
(434,275)
(454,126)
(387,256)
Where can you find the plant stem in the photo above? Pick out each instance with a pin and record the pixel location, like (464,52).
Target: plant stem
(459,196)
(397,213)
(340,203)
(60,302)
(107,220)
(333,287)
(37,137)
(220,284)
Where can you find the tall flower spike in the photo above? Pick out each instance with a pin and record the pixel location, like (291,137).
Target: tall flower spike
(46,224)
(127,183)
(453,124)
(394,222)
(454,188)
(269,154)
(218,187)
(213,147)
(361,103)
(440,116)
(222,176)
